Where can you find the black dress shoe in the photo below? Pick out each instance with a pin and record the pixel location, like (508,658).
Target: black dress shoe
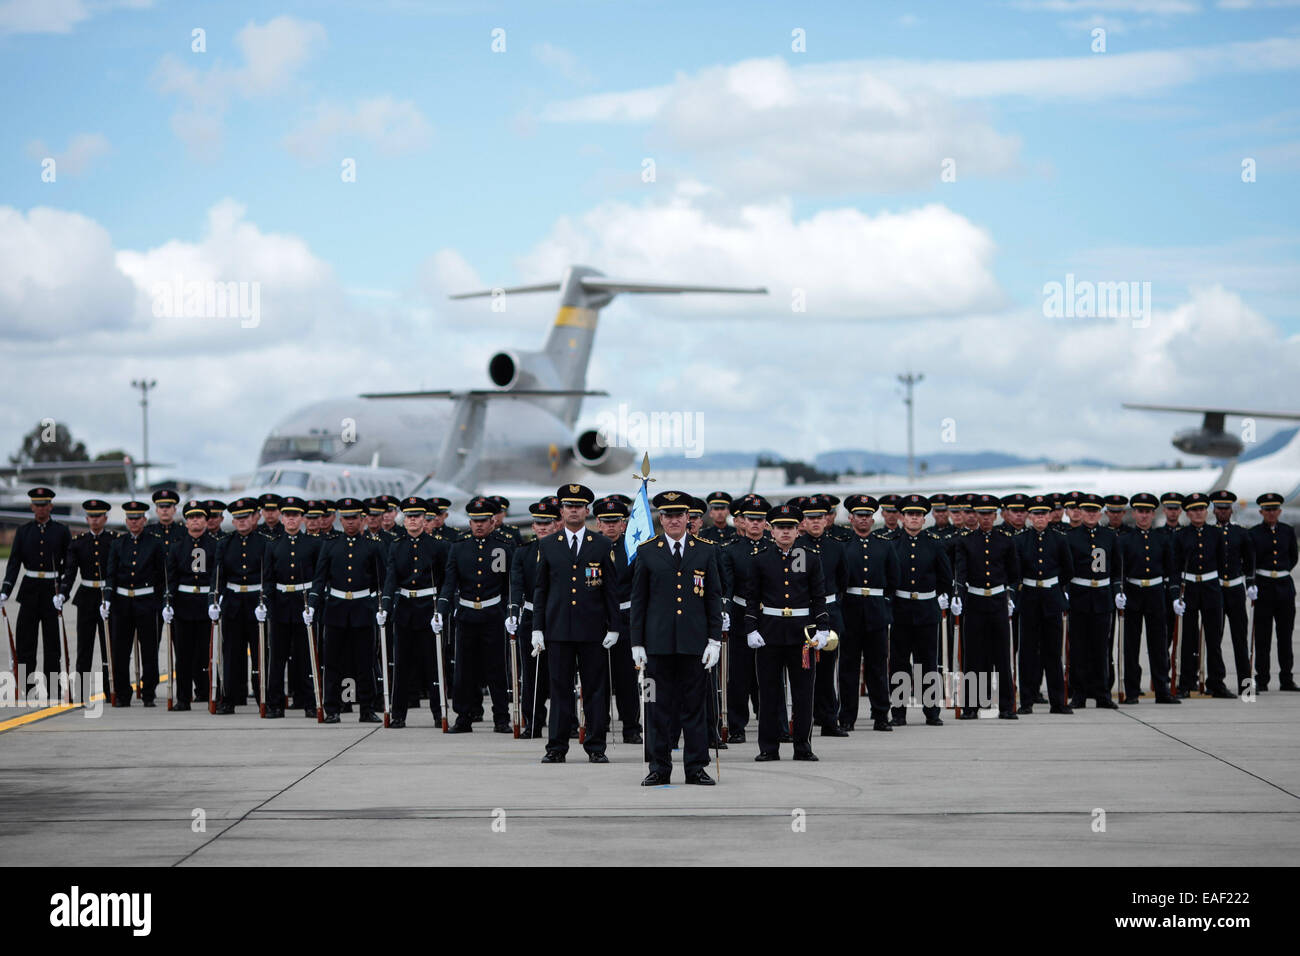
(150,703)
(396,723)
(735,737)
(370,717)
(201,700)
(309,712)
(1168,699)
(1007,715)
(805,755)
(1289,686)
(1222,693)
(1106,703)
(834,732)
(1078,703)
(766,755)
(127,703)
(900,721)
(274,712)
(182,705)
(1133,699)
(700,779)
(503,727)
(882,724)
(1026,709)
(848,726)
(597,758)
(553,757)
(224,708)
(633,738)
(655,779)
(332,718)
(1063,709)
(785,738)
(461,727)
(525,734)
(1184,694)
(1040,699)
(573,734)
(934,721)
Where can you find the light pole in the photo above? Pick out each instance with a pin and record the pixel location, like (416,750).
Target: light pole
(144,385)
(909,380)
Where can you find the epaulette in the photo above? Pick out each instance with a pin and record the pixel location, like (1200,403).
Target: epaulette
(703,540)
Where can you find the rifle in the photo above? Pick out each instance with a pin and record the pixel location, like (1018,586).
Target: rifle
(722,664)
(13,649)
(214,646)
(514,683)
(1119,657)
(314,665)
(582,717)
(383,650)
(261,640)
(442,679)
(171,670)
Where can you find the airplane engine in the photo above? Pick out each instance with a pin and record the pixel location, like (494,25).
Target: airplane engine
(590,451)
(1203,441)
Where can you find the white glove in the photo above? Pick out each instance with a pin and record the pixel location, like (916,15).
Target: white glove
(259,612)
(103,610)
(754,640)
(1011,607)
(711,654)
(436,623)
(1252,592)
(821,639)
(308,614)
(638,657)
(943,602)
(58,603)
(611,638)
(1121,601)
(3,597)
(726,621)
(381,618)
(512,625)
(168,614)
(539,644)
(214,611)
(955,604)
(1179,606)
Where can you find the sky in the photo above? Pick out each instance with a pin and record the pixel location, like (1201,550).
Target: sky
(908,180)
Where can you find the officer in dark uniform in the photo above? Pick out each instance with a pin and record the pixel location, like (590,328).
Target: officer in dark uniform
(1094,592)
(749,512)
(38,549)
(1239,578)
(1115,508)
(1147,557)
(826,695)
(889,514)
(388,520)
(349,575)
(327,528)
(1201,557)
(134,585)
(435,520)
(837,532)
(291,558)
(924,586)
(215,510)
(478,582)
(270,505)
(1045,568)
(871,578)
(787,591)
(238,577)
(1172,504)
(575,618)
(88,556)
(536,678)
(509,531)
(416,565)
(611,518)
(1274,542)
(718,530)
(986,574)
(939,512)
(190,560)
(166,528)
(677,637)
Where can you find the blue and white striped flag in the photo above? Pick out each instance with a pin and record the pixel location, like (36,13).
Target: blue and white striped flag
(639,526)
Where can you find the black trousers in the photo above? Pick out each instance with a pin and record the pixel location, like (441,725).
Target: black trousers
(742,681)
(535,675)
(415,668)
(348,651)
(775,661)
(89,627)
(988,649)
(1089,655)
(1274,611)
(626,694)
(288,654)
(915,644)
(826,694)
(37,612)
(1040,651)
(1234,612)
(239,651)
(681,689)
(856,643)
(1145,611)
(481,658)
(1195,620)
(132,620)
(190,643)
(586,658)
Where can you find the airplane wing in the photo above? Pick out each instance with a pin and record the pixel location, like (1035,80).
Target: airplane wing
(1220,412)
(488,393)
(605,284)
(541,287)
(114,467)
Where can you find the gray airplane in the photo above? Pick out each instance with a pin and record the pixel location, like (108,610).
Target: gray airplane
(522,432)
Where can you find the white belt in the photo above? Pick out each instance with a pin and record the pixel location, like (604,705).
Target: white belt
(528,605)
(915,595)
(1234,582)
(243,588)
(1146,582)
(42,574)
(866,592)
(134,592)
(986,592)
(480,604)
(740,601)
(290,588)
(1040,582)
(1208,576)
(193,588)
(786,611)
(1090,583)
(417,593)
(625,606)
(831,598)
(1273,574)
(91,584)
(350,595)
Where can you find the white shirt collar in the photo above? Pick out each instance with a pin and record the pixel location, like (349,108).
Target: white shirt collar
(674,542)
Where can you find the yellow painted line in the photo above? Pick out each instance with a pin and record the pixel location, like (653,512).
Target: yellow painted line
(579,318)
(56,709)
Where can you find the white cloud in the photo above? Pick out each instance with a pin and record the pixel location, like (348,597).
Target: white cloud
(390,126)
(1116,6)
(1256,4)
(83,149)
(564,62)
(56,16)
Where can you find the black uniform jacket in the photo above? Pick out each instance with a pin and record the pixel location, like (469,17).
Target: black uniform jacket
(676,610)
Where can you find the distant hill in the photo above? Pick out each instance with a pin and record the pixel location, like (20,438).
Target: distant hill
(866,462)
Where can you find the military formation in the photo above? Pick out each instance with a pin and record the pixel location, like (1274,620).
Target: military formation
(733,611)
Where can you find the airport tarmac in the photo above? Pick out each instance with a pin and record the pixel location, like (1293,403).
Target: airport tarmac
(1211,782)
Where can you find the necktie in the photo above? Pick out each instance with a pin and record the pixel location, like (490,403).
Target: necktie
(573,546)
(677,553)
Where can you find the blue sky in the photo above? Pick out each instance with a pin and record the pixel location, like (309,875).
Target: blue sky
(475,166)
